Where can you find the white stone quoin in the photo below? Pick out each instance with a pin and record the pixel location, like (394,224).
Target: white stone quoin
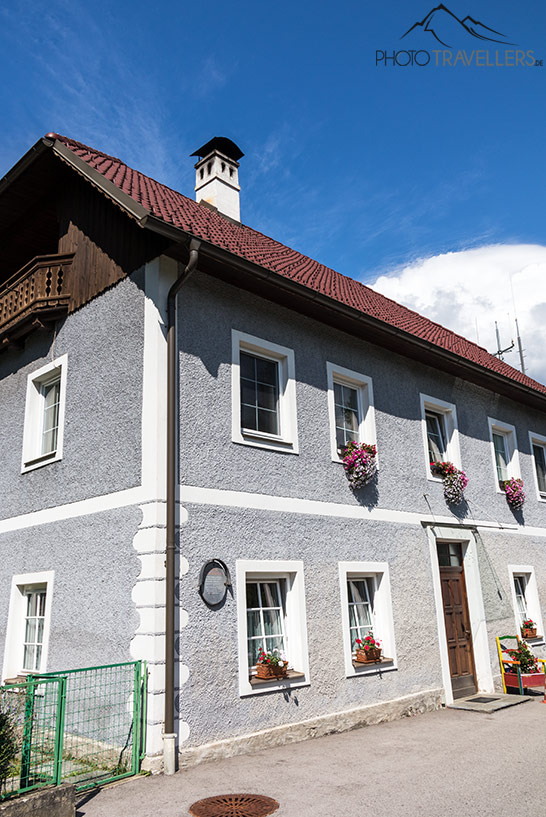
(217,176)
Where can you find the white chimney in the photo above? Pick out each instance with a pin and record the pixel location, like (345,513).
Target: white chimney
(217,176)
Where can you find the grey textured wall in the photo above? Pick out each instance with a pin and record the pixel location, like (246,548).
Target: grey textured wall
(210,309)
(93,617)
(496,551)
(210,700)
(102,438)
(208,645)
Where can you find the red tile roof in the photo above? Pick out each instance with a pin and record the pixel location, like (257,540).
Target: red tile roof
(243,241)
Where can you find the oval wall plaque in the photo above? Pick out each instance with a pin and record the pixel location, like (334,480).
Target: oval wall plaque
(214,582)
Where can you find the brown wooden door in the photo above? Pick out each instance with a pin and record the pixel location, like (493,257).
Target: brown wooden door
(457,619)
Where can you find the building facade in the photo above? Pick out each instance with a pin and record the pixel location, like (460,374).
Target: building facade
(279,362)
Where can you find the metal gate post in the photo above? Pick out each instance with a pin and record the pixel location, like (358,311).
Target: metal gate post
(59,731)
(24,780)
(144,711)
(137,692)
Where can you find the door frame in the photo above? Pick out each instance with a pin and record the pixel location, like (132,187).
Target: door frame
(480,646)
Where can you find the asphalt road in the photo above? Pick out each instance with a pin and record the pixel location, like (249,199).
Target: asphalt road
(451,762)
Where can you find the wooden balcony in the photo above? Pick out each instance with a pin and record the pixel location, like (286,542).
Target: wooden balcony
(34,298)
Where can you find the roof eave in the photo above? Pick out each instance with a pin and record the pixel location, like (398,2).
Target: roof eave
(379,329)
(24,162)
(123,200)
(402,341)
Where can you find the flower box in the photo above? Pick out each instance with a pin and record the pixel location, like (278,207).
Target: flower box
(515,495)
(371,656)
(528,632)
(271,670)
(528,679)
(455,481)
(360,463)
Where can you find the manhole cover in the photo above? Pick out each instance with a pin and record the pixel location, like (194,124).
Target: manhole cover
(482,700)
(234,805)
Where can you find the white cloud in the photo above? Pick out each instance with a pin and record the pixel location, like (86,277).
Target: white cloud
(468,291)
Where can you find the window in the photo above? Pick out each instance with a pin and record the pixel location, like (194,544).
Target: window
(360,593)
(265,618)
(521,604)
(263,394)
(440,433)
(271,615)
(35,598)
(501,456)
(504,452)
(538,449)
(366,607)
(44,415)
(259,394)
(27,633)
(525,598)
(450,554)
(436,436)
(350,406)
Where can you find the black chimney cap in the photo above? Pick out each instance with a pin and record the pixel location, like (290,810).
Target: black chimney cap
(223,145)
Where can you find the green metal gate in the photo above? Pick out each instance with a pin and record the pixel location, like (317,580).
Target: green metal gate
(83,726)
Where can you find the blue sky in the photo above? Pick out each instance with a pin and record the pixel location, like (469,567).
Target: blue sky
(367,168)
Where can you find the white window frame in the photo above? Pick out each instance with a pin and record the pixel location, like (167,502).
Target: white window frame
(32,457)
(507,431)
(295,623)
(15,631)
(366,413)
(287,439)
(382,618)
(532,601)
(540,440)
(279,582)
(449,413)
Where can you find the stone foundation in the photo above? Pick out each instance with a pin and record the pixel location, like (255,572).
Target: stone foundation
(54,802)
(312,728)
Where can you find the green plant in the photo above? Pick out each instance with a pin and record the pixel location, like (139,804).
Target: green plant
(359,462)
(527,661)
(369,643)
(8,744)
(455,481)
(274,657)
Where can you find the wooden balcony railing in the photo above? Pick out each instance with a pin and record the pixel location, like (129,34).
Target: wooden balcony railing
(34,297)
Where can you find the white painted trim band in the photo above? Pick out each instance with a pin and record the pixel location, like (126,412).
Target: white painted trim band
(311,507)
(96,504)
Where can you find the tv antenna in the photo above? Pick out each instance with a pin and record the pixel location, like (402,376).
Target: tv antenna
(500,352)
(520,347)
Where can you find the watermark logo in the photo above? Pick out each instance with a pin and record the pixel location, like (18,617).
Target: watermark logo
(443,25)
(461,40)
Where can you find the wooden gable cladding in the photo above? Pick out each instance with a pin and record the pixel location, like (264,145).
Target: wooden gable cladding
(107,245)
(28,217)
(70,242)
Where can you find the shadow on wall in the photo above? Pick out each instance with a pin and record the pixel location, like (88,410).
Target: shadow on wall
(209,309)
(368,495)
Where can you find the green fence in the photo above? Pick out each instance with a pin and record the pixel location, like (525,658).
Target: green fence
(83,726)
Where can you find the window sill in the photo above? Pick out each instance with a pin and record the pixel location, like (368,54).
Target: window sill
(39,462)
(271,443)
(384,665)
(18,679)
(291,675)
(259,685)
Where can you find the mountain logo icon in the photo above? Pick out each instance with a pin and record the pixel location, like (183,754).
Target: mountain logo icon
(446,28)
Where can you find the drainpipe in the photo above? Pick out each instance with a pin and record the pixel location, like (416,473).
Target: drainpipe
(169,735)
